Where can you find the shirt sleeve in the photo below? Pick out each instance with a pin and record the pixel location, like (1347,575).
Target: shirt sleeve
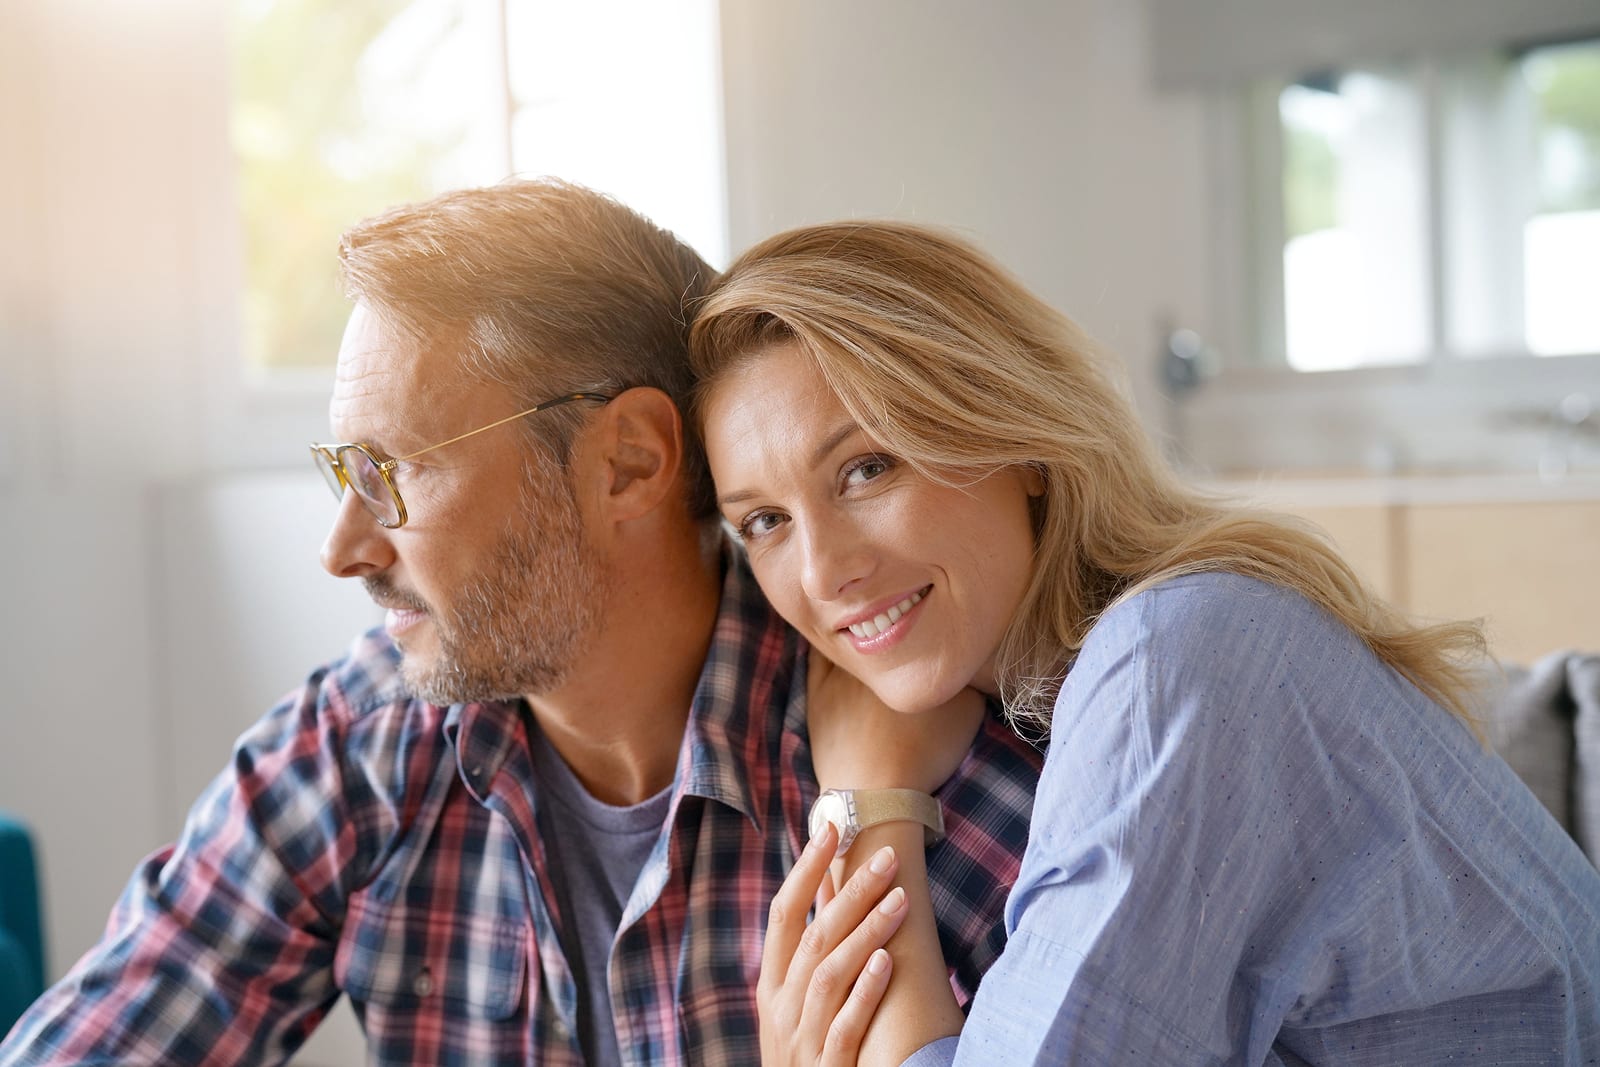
(221,948)
(1182,804)
(940,1053)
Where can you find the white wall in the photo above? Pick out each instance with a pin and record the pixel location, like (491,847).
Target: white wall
(80,740)
(1026,124)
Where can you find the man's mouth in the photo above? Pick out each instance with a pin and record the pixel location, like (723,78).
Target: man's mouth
(404,610)
(386,596)
(399,620)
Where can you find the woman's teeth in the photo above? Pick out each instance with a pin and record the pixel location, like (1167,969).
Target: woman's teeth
(879,623)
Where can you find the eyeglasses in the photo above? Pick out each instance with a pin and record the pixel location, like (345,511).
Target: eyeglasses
(357,466)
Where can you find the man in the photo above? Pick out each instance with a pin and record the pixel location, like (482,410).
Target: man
(538,817)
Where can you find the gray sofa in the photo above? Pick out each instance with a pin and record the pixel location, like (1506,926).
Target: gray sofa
(1545,721)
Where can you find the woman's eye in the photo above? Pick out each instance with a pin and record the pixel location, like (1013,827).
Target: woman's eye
(758,523)
(866,469)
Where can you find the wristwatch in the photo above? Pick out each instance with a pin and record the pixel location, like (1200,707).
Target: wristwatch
(853,810)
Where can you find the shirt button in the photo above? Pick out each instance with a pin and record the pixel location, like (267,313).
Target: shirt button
(422,986)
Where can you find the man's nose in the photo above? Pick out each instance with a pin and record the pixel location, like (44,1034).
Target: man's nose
(356,545)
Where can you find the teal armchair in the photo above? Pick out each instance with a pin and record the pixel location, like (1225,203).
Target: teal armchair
(22,965)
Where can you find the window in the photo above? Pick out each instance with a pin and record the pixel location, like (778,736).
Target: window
(400,99)
(1442,209)
(1355,247)
(1399,198)
(1561,237)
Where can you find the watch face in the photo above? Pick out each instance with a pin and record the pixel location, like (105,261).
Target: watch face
(830,808)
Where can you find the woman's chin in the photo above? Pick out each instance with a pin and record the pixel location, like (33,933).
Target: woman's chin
(914,699)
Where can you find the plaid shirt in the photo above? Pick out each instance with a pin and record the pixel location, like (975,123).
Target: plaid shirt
(366,843)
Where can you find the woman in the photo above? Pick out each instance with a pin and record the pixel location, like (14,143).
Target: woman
(1265,832)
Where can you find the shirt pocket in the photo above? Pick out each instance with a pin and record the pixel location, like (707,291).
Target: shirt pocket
(405,961)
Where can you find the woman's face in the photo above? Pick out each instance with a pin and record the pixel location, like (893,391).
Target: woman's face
(906,583)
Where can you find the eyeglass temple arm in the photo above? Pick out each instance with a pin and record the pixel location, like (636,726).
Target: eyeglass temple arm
(557,402)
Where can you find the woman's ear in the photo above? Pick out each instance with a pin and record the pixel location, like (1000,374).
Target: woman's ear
(640,446)
(1034,483)
(1033,480)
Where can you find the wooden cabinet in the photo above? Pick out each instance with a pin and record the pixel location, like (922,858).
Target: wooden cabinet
(1532,569)
(1366,538)
(1521,554)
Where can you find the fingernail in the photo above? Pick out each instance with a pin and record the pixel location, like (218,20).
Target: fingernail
(879,962)
(893,902)
(882,861)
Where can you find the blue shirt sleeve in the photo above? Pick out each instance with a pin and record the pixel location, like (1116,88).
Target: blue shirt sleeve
(1252,839)
(940,1053)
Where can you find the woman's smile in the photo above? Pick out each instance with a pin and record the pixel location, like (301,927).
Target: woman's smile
(878,629)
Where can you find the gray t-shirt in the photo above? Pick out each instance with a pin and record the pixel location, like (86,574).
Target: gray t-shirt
(595,854)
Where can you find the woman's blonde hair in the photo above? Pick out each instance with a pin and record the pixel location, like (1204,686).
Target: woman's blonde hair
(957,369)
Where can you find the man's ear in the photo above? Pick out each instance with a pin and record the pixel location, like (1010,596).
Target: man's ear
(640,448)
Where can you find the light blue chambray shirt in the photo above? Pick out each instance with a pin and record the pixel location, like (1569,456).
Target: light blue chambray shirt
(1253,843)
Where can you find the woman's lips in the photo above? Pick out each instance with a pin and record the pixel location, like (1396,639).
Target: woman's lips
(888,627)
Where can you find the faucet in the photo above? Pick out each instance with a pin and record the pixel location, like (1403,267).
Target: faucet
(1572,418)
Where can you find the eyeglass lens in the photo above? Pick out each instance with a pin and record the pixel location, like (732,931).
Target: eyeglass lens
(329,475)
(366,479)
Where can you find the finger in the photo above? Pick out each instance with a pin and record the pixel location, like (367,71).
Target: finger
(849,1028)
(848,905)
(833,978)
(837,923)
(786,916)
(826,892)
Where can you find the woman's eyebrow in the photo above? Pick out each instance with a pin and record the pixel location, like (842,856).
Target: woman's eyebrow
(831,442)
(818,454)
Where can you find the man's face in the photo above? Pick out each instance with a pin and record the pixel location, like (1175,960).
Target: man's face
(491,586)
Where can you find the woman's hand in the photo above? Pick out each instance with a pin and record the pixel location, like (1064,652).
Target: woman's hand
(859,742)
(821,983)
(819,1001)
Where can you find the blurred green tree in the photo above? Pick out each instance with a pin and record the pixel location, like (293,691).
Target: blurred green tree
(313,156)
(1565,80)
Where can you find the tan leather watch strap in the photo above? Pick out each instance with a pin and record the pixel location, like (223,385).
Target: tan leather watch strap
(874,806)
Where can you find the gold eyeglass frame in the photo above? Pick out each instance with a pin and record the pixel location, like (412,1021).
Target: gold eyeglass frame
(328,457)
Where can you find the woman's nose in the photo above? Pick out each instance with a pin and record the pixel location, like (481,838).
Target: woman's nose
(836,556)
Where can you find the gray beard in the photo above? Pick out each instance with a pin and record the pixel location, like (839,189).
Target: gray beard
(519,625)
